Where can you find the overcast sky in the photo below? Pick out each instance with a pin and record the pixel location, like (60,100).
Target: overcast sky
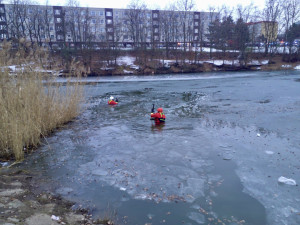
(201,5)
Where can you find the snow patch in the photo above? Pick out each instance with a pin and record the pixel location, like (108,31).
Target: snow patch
(285,180)
(297,67)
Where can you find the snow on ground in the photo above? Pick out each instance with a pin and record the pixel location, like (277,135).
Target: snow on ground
(297,67)
(275,49)
(256,62)
(127,60)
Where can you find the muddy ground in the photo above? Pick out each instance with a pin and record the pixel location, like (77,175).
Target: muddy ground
(22,202)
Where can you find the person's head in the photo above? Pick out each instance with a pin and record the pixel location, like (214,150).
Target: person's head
(159,110)
(111,97)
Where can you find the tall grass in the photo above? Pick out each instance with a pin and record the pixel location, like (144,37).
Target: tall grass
(30,106)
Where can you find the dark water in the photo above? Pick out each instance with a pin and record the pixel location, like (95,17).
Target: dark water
(217,160)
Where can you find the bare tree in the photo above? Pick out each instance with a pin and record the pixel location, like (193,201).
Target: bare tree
(47,19)
(17,19)
(271,14)
(185,7)
(247,13)
(291,13)
(136,20)
(168,28)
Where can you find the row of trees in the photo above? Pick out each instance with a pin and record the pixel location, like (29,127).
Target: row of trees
(228,27)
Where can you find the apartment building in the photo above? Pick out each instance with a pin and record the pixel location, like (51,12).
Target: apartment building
(266,29)
(102,25)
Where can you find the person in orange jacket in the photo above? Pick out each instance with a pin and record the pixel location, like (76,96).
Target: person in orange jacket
(112,101)
(158,117)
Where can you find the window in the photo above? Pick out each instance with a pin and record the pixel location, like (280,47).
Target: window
(58,20)
(59,37)
(101,13)
(196,16)
(93,21)
(101,21)
(110,37)
(155,30)
(109,21)
(196,23)
(155,15)
(110,29)
(196,31)
(51,28)
(93,13)
(101,37)
(57,12)
(108,13)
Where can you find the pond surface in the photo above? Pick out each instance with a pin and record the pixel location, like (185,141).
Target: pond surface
(227,139)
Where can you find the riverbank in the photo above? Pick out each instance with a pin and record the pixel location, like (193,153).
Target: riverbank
(129,65)
(23,202)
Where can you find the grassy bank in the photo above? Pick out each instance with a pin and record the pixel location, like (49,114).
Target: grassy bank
(31,108)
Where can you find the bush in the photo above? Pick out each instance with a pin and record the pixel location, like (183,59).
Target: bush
(30,106)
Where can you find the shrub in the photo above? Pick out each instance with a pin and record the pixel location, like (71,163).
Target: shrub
(31,106)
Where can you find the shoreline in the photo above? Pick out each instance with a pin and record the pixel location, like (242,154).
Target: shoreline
(23,202)
(187,68)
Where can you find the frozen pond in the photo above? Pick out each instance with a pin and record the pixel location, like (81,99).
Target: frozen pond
(217,160)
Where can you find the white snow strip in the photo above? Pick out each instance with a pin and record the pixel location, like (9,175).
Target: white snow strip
(297,67)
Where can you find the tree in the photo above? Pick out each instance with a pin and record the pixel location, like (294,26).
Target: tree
(291,12)
(17,18)
(241,37)
(292,34)
(271,14)
(136,21)
(186,6)
(168,27)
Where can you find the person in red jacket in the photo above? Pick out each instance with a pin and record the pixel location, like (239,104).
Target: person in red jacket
(158,117)
(112,101)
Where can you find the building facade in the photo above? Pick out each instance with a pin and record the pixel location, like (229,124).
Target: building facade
(102,25)
(266,29)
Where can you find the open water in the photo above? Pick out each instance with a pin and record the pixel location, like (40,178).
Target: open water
(227,139)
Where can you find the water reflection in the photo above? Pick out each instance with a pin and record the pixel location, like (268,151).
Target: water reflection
(157,127)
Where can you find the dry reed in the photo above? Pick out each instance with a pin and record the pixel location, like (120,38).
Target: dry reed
(31,107)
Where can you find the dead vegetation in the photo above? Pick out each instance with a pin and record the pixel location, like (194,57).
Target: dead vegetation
(32,104)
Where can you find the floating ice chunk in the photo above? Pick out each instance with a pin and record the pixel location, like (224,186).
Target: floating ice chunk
(286,181)
(122,189)
(56,218)
(64,190)
(227,156)
(269,152)
(197,217)
(100,172)
(258,134)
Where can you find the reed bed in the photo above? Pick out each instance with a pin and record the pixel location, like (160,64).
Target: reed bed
(31,106)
